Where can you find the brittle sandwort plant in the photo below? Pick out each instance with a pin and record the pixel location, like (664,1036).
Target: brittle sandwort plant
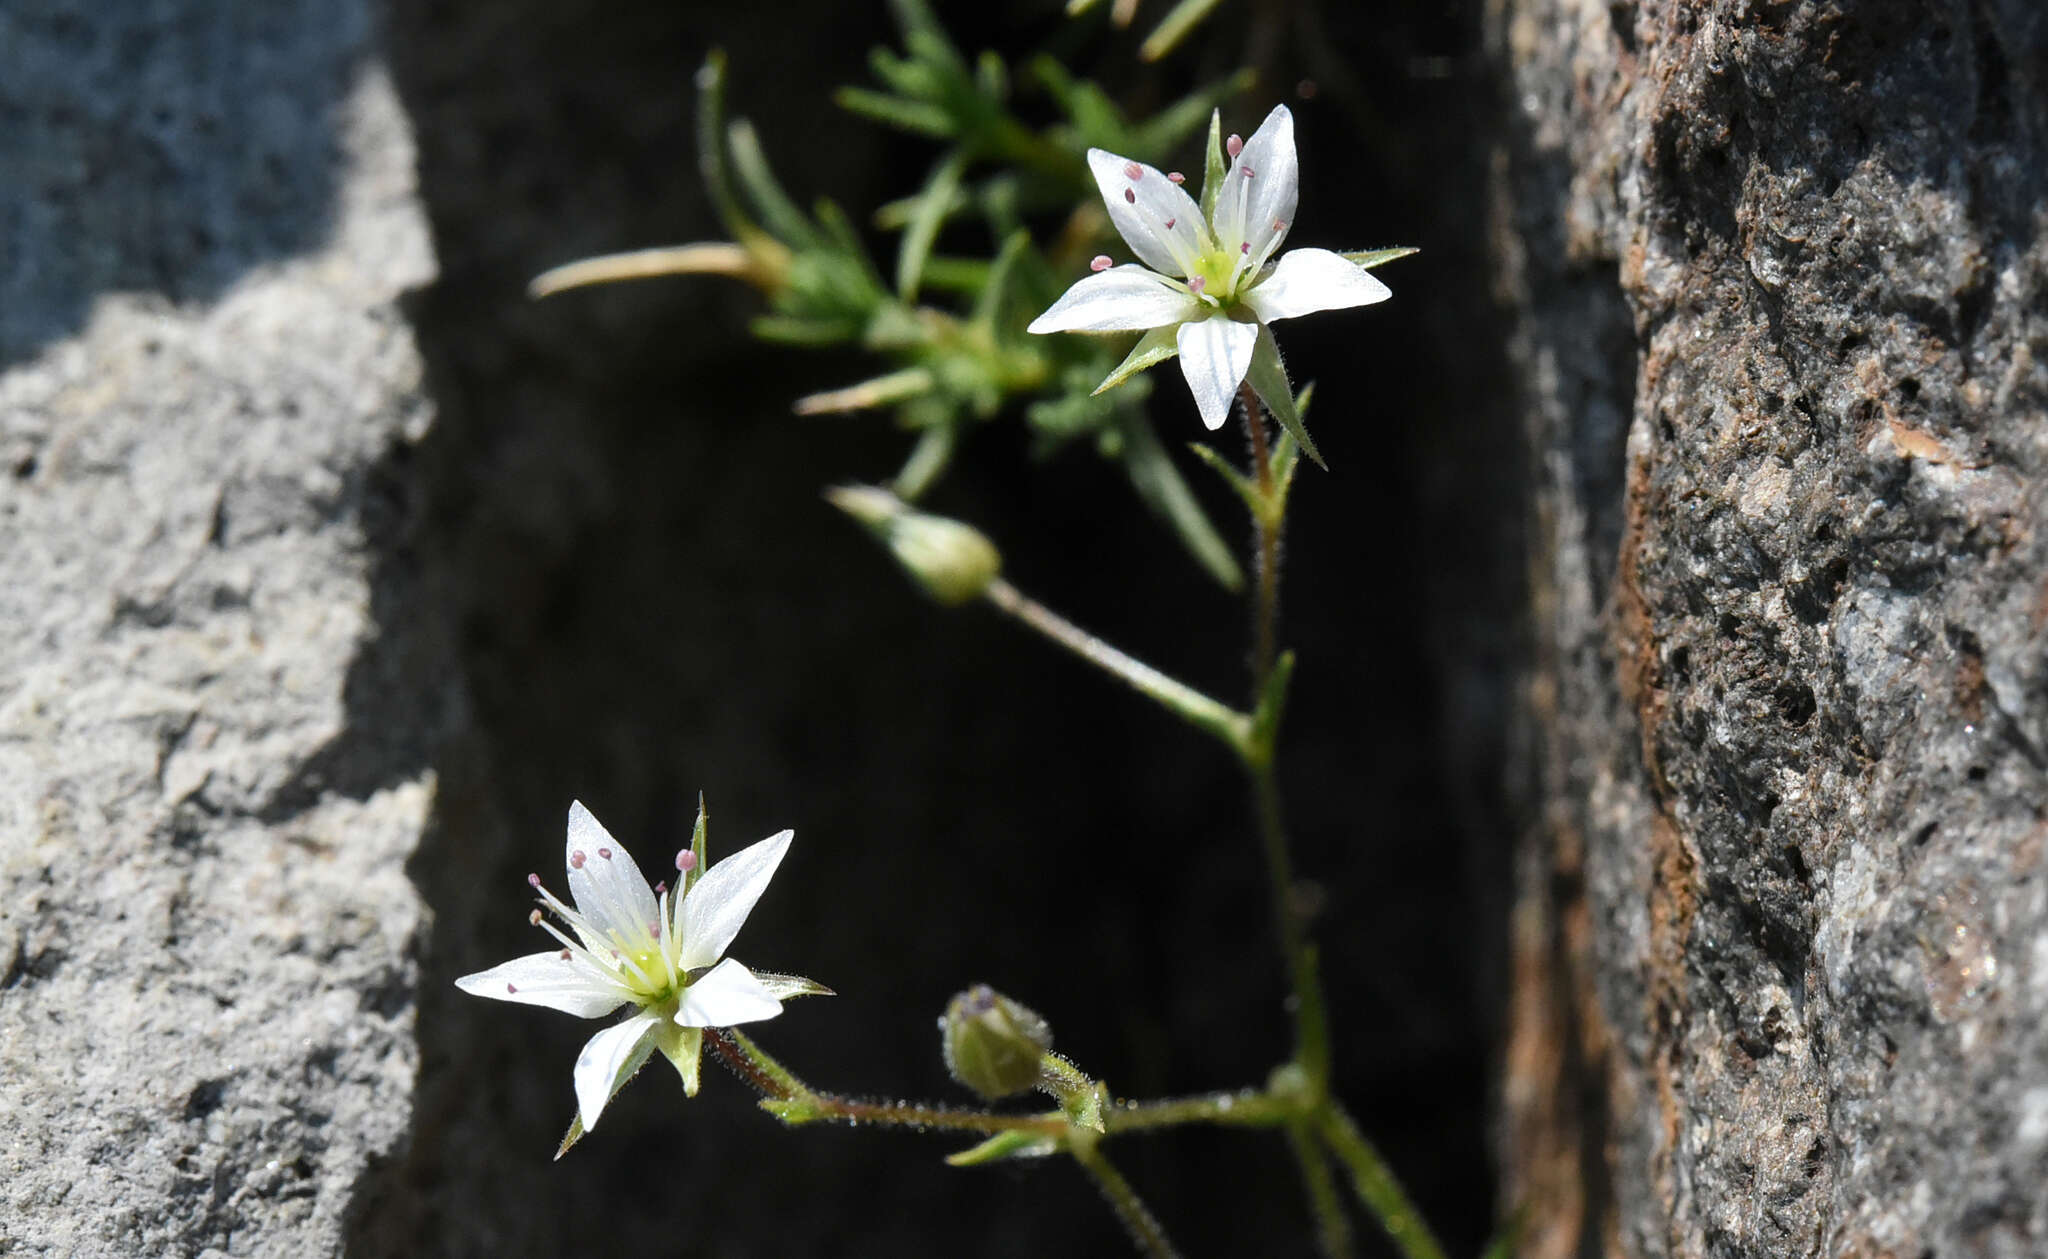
(1209,282)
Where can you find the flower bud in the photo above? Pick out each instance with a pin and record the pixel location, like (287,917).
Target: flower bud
(993,1045)
(952,561)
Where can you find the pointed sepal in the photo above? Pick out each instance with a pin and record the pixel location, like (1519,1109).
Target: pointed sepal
(571,1137)
(1212,170)
(1154,348)
(1268,377)
(1370,258)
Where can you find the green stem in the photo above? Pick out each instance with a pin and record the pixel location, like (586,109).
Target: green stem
(1376,1185)
(1184,701)
(795,1102)
(1311,1024)
(1248,1108)
(1130,1208)
(1333,1227)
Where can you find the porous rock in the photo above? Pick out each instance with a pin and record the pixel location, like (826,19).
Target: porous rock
(1783,930)
(205,924)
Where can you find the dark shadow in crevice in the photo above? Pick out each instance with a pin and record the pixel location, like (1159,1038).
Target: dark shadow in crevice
(633,593)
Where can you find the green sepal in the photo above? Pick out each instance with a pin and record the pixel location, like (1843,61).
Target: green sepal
(927,462)
(1013,1144)
(1212,170)
(1370,258)
(571,1137)
(1154,348)
(893,111)
(700,844)
(710,145)
(1268,377)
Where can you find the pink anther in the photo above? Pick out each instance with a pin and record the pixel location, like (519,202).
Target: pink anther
(576,859)
(511,988)
(533,919)
(1246,171)
(1197,284)
(1174,176)
(1234,145)
(1099,262)
(606,853)
(1170,223)
(686,860)
(1130,196)
(1133,171)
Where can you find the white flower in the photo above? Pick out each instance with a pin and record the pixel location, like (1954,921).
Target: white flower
(655,949)
(1210,283)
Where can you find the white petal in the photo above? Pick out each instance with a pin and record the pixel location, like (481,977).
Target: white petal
(608,1060)
(1214,354)
(1128,298)
(608,888)
(729,994)
(719,902)
(1155,216)
(1257,209)
(573,987)
(1308,280)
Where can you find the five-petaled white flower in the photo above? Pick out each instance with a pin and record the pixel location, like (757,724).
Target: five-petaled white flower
(1210,284)
(655,949)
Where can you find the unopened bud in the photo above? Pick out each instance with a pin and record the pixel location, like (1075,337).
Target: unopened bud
(952,561)
(993,1045)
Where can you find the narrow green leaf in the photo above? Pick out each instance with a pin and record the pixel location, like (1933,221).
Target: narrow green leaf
(777,211)
(1012,1144)
(1212,169)
(1272,706)
(1268,377)
(797,330)
(1174,27)
(1163,489)
(1370,258)
(1166,129)
(711,140)
(894,111)
(928,461)
(998,279)
(1153,348)
(991,76)
(1237,481)
(924,225)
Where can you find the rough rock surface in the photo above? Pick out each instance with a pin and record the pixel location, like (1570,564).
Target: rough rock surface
(1783,929)
(205,925)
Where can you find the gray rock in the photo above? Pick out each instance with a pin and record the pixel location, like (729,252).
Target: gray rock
(1783,933)
(206,931)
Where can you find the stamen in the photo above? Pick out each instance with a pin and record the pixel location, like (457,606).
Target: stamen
(1234,145)
(565,955)
(576,859)
(1245,247)
(533,880)
(511,988)
(686,860)
(661,887)
(1279,225)
(534,919)
(1133,172)
(1174,176)
(1099,263)
(606,853)
(1246,171)
(1170,223)
(1197,284)
(1130,196)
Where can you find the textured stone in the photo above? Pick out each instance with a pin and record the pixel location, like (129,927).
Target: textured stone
(206,931)
(1784,929)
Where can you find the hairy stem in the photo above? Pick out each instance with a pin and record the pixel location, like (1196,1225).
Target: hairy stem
(1333,1227)
(1184,701)
(1130,1208)
(1376,1185)
(1248,1108)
